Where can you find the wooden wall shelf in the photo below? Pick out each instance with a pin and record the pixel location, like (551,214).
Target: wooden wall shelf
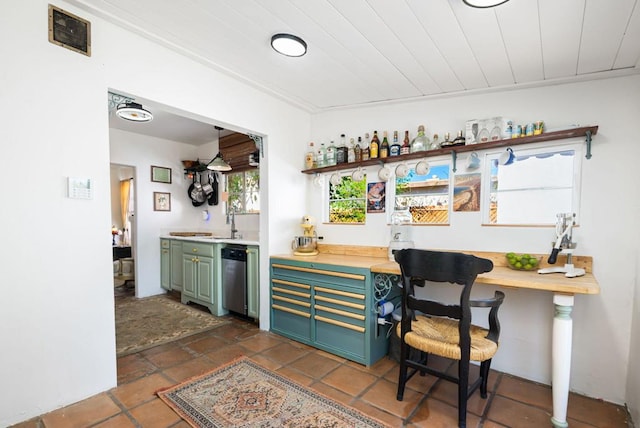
(584,131)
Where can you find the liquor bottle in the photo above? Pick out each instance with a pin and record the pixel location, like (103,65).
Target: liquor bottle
(394,150)
(339,153)
(357,150)
(321,156)
(374,146)
(405,149)
(435,143)
(330,157)
(384,147)
(446,141)
(421,142)
(365,150)
(459,140)
(310,157)
(351,152)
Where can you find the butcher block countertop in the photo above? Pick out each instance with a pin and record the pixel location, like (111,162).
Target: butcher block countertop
(375,259)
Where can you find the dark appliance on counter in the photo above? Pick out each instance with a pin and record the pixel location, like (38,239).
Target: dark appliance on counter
(234,279)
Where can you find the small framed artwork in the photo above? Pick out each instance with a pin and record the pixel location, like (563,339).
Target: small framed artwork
(161,201)
(160,174)
(69,31)
(376,197)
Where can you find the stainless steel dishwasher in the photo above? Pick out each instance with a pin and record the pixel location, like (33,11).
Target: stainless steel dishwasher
(234,278)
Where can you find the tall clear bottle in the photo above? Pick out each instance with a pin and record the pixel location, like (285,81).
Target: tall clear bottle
(435,143)
(331,154)
(351,152)
(321,156)
(421,142)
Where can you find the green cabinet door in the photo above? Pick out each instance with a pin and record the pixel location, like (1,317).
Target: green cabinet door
(165,264)
(253,282)
(204,282)
(176,265)
(189,276)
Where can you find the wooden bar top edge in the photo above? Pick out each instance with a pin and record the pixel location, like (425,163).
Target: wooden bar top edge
(500,275)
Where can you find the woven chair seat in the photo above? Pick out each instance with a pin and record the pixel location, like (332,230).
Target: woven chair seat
(440,336)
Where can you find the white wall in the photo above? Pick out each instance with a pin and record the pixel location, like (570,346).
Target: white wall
(58,318)
(609,211)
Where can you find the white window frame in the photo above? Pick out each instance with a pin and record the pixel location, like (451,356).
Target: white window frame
(578,149)
(244,191)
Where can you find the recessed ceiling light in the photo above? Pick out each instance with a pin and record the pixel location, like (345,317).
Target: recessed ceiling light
(482,4)
(288,44)
(133,112)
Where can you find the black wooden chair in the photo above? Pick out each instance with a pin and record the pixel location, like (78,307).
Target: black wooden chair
(441,329)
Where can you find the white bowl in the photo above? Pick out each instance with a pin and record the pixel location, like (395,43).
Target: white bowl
(422,168)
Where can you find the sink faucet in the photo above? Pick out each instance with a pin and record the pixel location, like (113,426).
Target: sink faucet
(234,231)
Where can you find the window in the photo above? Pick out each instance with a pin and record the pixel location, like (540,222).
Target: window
(347,201)
(539,184)
(427,196)
(244,191)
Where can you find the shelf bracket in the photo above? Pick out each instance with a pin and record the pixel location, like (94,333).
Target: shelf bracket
(588,140)
(454,158)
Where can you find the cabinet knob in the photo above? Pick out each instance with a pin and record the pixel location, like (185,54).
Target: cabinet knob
(195,250)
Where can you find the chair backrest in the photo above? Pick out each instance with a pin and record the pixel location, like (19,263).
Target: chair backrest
(418,266)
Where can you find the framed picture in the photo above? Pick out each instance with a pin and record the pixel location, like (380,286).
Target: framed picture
(376,193)
(69,31)
(160,174)
(161,201)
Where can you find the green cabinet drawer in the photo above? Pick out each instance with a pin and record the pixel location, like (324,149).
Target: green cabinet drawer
(340,338)
(321,274)
(198,249)
(290,322)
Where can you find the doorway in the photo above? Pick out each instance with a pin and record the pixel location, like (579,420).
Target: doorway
(123,227)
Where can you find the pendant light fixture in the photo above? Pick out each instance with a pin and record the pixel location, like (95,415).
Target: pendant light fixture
(484,4)
(288,44)
(218,163)
(133,112)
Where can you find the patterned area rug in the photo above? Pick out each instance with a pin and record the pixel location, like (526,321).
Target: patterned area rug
(152,321)
(244,394)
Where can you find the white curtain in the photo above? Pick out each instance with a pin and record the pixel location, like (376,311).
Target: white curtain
(125,199)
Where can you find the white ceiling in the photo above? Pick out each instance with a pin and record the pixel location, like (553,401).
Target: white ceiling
(368,51)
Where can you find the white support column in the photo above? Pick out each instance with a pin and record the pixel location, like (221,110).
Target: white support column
(561,357)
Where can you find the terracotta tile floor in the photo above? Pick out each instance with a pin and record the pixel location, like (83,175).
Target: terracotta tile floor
(512,402)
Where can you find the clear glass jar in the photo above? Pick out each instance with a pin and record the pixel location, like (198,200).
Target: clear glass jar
(421,142)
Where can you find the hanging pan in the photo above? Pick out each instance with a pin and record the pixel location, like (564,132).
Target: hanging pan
(196,193)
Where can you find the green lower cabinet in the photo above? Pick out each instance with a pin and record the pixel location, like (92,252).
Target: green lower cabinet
(253,282)
(327,306)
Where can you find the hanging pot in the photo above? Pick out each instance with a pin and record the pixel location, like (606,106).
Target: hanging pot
(206,187)
(213,197)
(196,193)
